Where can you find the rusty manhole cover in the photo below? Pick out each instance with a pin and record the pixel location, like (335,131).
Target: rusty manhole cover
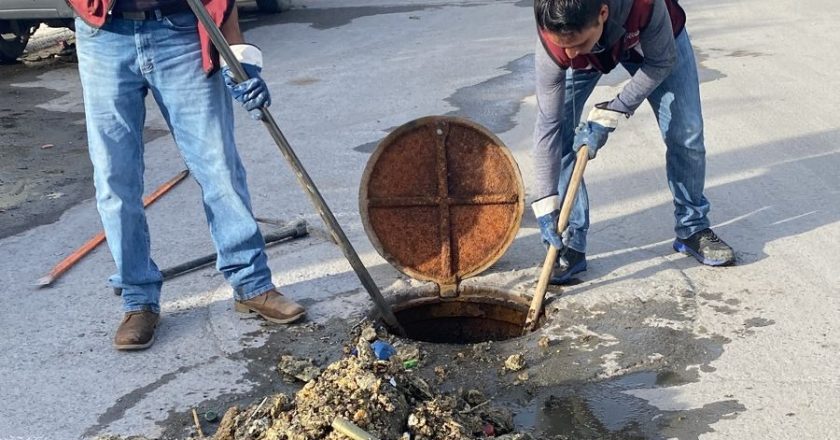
(441,199)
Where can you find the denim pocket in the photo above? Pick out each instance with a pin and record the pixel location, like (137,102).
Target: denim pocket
(182,21)
(84,29)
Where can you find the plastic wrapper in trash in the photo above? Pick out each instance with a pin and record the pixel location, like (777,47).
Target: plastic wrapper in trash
(382,350)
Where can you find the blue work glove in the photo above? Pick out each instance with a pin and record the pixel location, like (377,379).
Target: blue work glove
(252,93)
(593,133)
(547,212)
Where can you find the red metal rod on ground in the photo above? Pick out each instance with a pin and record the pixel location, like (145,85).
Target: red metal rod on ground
(68,262)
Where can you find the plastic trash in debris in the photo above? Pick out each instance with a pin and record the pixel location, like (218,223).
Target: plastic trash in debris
(489,430)
(411,363)
(211,416)
(382,350)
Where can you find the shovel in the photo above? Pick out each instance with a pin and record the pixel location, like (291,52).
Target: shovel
(535,310)
(303,177)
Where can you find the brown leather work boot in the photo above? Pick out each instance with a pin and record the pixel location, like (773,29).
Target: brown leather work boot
(136,331)
(272,306)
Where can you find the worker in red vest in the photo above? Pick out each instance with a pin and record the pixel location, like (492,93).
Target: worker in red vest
(128,49)
(580,40)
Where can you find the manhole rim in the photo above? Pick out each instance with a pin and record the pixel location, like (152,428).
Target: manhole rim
(404,299)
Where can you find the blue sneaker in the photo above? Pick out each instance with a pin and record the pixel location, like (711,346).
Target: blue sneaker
(707,248)
(570,263)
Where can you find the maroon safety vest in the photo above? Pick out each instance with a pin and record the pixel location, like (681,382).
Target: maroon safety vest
(96,13)
(625,49)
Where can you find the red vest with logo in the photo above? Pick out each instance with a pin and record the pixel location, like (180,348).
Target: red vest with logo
(625,49)
(96,13)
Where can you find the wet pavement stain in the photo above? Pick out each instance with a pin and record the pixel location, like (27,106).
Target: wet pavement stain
(705,73)
(329,18)
(758,322)
(44,163)
(128,401)
(725,310)
(44,167)
(371,146)
(745,54)
(708,74)
(716,302)
(607,411)
(569,401)
(595,333)
(572,392)
(711,296)
(493,103)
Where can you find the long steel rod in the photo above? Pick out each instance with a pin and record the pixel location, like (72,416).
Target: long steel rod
(295,230)
(303,177)
(292,231)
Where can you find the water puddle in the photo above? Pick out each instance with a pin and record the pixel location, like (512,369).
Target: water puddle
(606,410)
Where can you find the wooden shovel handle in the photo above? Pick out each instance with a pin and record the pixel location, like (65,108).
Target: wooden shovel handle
(68,262)
(565,211)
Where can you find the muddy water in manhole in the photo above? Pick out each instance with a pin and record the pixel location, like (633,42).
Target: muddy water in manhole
(471,317)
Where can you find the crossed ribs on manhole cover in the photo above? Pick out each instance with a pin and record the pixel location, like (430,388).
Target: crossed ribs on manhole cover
(441,199)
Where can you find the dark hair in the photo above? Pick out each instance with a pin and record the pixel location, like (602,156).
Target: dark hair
(567,16)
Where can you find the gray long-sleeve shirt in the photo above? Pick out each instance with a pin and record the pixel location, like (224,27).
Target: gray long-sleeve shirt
(653,46)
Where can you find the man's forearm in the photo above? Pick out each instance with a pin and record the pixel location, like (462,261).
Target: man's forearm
(230,28)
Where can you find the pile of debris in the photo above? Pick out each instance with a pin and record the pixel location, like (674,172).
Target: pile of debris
(374,391)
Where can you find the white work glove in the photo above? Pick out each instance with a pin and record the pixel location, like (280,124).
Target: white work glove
(252,93)
(547,212)
(593,133)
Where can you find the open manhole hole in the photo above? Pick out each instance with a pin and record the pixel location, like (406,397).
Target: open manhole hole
(476,315)
(441,199)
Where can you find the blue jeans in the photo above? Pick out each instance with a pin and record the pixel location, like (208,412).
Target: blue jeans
(676,104)
(119,64)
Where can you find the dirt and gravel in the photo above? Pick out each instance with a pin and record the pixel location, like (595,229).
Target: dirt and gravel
(377,392)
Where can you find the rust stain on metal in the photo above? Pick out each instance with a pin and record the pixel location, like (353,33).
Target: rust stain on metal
(447,271)
(441,199)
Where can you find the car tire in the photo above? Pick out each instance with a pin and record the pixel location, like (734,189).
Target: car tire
(270,6)
(13,38)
